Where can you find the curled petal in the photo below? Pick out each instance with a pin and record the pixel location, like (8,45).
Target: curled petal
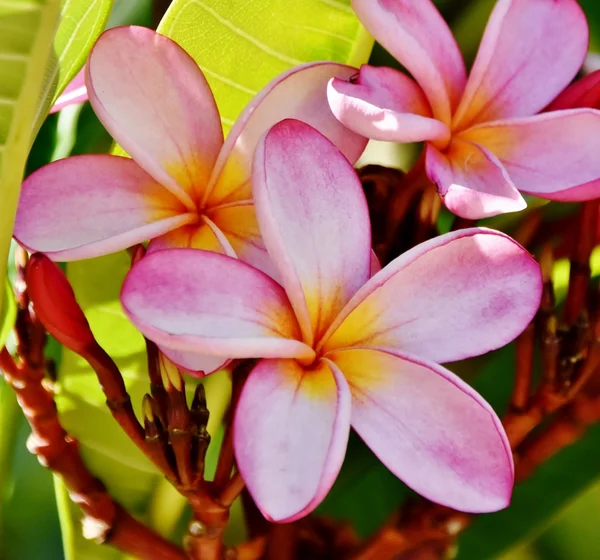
(582,93)
(530,51)
(92,205)
(417,35)
(384,104)
(314,220)
(300,93)
(290,435)
(428,427)
(455,296)
(207,303)
(472,181)
(153,99)
(553,155)
(75,92)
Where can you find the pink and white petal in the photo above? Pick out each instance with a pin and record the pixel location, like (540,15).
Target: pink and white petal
(300,93)
(153,99)
(207,303)
(471,181)
(291,430)
(417,36)
(92,205)
(552,155)
(530,51)
(458,295)
(431,429)
(193,363)
(585,92)
(239,225)
(314,220)
(385,104)
(75,92)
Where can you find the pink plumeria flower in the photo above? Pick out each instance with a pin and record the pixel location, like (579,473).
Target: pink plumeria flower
(485,142)
(75,92)
(341,349)
(184,186)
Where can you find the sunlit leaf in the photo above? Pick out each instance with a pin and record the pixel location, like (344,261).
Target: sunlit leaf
(242,46)
(81,22)
(26,35)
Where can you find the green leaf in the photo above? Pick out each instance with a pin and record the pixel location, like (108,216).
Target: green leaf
(241,47)
(26,35)
(81,22)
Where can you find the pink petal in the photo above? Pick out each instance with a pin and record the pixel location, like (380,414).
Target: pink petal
(472,181)
(314,219)
(207,303)
(195,364)
(384,104)
(75,92)
(530,51)
(417,35)
(153,99)
(91,205)
(582,93)
(455,296)
(300,93)
(290,435)
(554,155)
(431,429)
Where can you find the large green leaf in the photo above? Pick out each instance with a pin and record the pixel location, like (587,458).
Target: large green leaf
(241,46)
(26,34)
(81,22)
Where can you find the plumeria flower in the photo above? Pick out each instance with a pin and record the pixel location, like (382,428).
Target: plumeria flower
(484,141)
(340,349)
(184,186)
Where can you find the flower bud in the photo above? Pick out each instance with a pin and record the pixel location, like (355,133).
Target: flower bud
(55,304)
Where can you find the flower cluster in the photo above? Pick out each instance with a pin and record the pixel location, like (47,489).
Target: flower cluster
(260,244)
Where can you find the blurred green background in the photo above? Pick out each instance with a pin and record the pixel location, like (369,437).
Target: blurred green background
(555,515)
